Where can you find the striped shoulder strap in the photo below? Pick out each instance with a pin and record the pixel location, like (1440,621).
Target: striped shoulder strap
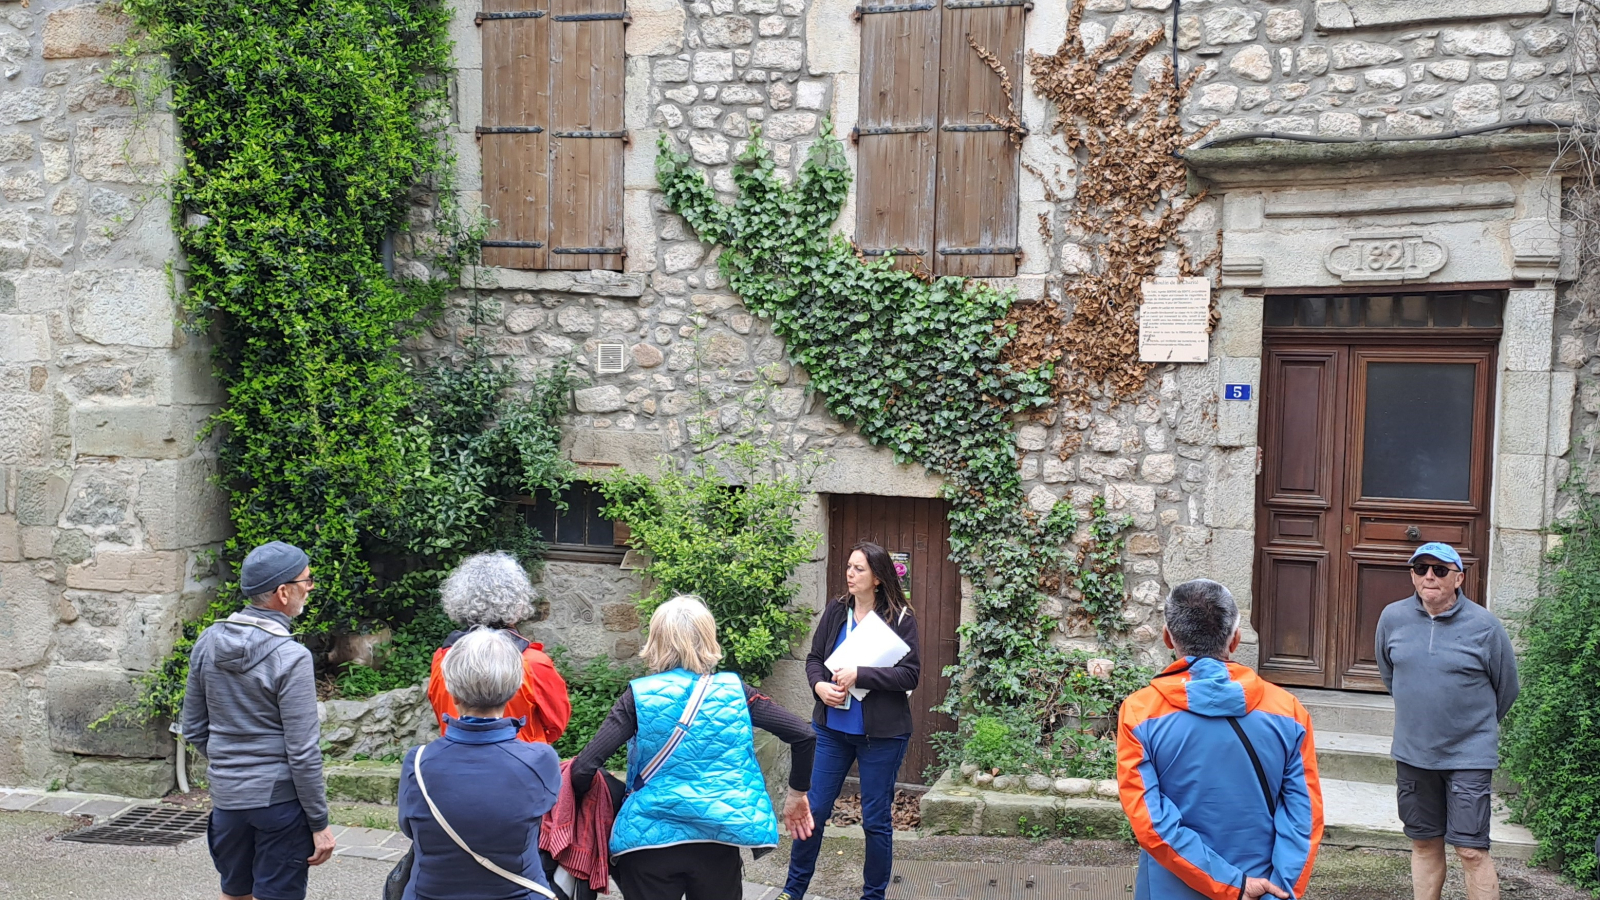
(679,732)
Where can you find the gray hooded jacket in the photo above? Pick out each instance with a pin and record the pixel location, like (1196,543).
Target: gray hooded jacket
(251,708)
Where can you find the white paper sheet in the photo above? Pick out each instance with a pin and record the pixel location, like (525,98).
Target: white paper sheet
(871,643)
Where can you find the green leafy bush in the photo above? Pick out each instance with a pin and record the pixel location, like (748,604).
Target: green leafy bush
(733,543)
(593,688)
(1551,739)
(405,661)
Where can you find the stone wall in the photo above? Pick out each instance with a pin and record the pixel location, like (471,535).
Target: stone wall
(106,518)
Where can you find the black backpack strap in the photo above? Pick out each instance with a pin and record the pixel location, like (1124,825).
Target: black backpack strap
(1261,774)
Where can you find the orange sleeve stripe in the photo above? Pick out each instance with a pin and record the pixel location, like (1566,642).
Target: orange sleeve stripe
(1308,758)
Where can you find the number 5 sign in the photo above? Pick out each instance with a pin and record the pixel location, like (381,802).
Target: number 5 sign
(1385,256)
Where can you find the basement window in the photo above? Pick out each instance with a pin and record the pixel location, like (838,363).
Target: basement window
(578,533)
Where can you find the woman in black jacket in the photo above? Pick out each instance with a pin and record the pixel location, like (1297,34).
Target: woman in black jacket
(872,733)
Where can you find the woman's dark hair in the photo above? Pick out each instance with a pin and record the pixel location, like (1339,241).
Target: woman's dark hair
(891,600)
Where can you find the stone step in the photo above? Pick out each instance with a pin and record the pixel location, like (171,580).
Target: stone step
(363,782)
(1345,756)
(1348,712)
(1363,814)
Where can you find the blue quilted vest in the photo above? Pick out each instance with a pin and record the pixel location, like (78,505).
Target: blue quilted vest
(711,789)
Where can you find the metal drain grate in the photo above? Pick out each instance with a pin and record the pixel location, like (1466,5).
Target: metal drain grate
(161,826)
(919,880)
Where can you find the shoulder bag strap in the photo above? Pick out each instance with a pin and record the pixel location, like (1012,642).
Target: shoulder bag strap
(679,732)
(416,768)
(1261,774)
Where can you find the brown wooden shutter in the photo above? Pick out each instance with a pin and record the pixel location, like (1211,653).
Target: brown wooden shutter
(895,132)
(975,228)
(586,134)
(513,137)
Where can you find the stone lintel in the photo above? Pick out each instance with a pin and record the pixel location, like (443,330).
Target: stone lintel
(1265,162)
(1343,15)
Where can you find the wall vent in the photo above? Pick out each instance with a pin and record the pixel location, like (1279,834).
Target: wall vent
(609,359)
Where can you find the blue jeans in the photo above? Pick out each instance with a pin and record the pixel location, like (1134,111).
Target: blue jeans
(879,760)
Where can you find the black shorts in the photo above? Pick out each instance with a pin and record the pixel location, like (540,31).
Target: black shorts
(1452,804)
(262,851)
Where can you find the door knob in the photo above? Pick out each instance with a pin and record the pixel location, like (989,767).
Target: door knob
(1413,532)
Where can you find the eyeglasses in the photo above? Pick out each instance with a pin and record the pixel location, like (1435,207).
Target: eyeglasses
(1439,570)
(309,581)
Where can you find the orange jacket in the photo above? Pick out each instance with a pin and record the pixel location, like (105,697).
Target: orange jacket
(542,700)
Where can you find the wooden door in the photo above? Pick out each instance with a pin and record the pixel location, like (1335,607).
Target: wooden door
(917,527)
(1373,442)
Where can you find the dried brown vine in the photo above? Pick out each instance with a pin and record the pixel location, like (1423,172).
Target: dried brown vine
(1128,208)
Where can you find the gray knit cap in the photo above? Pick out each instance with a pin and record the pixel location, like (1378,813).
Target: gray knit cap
(269,566)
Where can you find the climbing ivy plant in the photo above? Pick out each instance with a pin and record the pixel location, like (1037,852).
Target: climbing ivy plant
(917,364)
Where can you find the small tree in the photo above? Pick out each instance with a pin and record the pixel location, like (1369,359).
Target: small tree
(1552,736)
(732,542)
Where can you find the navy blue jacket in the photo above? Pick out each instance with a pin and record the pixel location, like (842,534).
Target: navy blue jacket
(493,789)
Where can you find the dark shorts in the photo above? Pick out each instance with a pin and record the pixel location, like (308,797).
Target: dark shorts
(1452,804)
(262,851)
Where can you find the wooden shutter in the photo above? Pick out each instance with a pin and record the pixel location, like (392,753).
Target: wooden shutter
(895,134)
(975,228)
(513,137)
(586,134)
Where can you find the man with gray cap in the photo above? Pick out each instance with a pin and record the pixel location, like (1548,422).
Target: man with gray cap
(1452,671)
(250,708)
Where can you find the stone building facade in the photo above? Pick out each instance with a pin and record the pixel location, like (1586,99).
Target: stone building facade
(108,524)
(108,517)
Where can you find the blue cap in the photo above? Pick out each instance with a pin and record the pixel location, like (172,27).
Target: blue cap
(269,566)
(1441,552)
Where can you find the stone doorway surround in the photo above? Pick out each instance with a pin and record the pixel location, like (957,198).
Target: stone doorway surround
(1476,210)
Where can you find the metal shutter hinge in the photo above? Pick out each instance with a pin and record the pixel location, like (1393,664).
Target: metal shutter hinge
(482,17)
(898,8)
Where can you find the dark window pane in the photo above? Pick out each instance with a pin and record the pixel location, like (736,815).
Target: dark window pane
(1344,312)
(1313,311)
(1483,310)
(1414,311)
(1447,311)
(1280,311)
(600,529)
(1380,312)
(1418,441)
(541,516)
(569,527)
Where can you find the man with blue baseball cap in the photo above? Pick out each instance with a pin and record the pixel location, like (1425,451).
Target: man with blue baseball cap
(1449,664)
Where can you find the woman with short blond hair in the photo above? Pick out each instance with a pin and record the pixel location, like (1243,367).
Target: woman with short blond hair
(696,794)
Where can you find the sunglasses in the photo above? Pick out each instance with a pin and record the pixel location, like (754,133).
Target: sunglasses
(1439,570)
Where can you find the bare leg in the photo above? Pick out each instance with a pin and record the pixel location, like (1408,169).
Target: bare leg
(1482,881)
(1427,869)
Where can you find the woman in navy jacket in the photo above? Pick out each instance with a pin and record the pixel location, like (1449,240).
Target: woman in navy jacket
(871,733)
(492,788)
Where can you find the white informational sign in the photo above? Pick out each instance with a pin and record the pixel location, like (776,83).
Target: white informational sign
(1173,319)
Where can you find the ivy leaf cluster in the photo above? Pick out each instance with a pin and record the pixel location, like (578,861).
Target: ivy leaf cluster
(917,364)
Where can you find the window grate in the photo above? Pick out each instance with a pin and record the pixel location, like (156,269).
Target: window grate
(609,359)
(142,826)
(1441,310)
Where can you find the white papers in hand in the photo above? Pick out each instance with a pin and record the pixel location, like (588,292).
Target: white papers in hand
(871,643)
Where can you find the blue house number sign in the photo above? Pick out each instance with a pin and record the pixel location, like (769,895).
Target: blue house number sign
(1236,392)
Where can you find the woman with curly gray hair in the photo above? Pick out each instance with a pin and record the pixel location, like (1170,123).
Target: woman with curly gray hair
(491,589)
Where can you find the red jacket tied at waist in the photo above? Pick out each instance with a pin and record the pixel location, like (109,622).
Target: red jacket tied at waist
(577,833)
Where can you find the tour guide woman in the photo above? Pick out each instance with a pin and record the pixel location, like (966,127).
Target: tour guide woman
(696,794)
(872,732)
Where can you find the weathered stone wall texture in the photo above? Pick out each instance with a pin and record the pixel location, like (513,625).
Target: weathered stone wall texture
(106,516)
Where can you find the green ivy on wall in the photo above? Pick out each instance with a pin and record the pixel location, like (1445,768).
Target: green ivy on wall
(916,364)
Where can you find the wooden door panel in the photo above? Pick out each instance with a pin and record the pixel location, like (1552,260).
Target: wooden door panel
(918,527)
(1377,581)
(1294,633)
(1297,512)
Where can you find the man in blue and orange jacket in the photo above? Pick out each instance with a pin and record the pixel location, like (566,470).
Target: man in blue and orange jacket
(1217,768)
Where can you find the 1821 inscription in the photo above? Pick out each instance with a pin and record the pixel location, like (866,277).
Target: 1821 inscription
(1385,256)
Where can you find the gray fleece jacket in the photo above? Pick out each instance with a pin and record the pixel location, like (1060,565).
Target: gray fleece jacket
(1453,677)
(251,709)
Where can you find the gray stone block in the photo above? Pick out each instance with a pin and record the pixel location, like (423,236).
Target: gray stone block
(1524,412)
(1519,489)
(139,432)
(76,698)
(26,435)
(27,615)
(634,451)
(872,470)
(41,493)
(123,777)
(180,506)
(13,729)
